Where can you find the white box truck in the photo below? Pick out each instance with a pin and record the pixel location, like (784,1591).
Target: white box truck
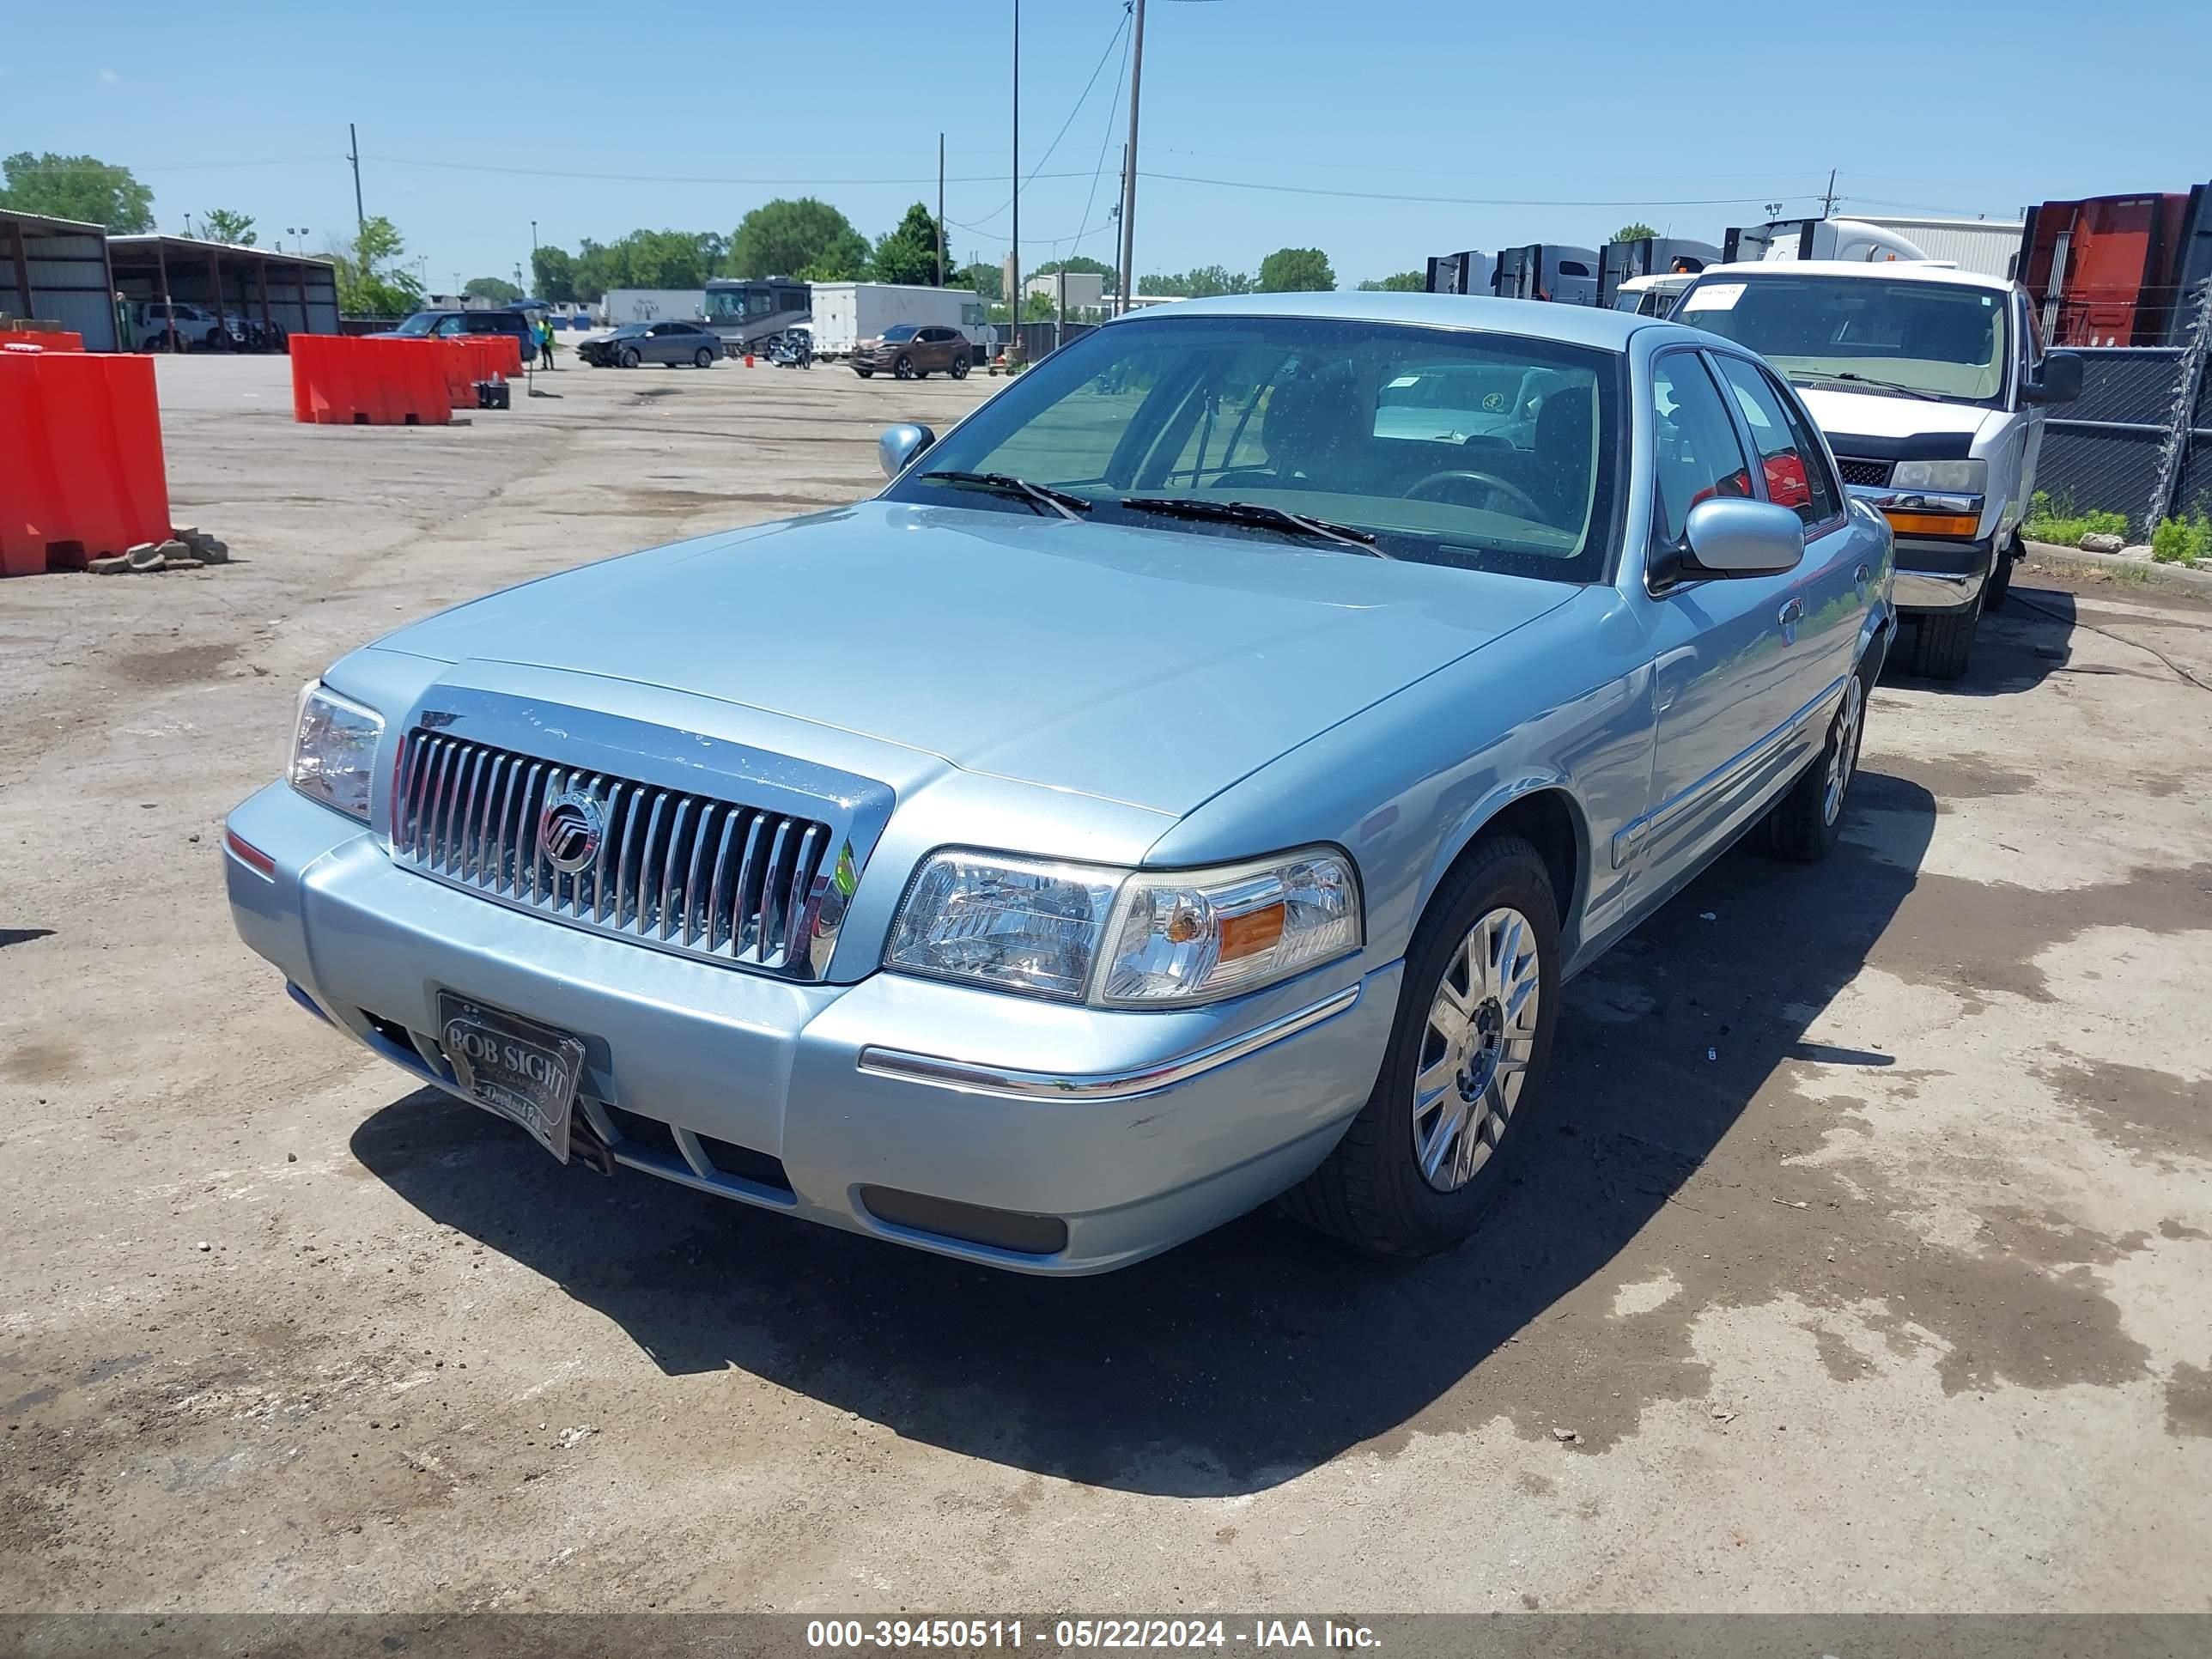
(848,312)
(651,305)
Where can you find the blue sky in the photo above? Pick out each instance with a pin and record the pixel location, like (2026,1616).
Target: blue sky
(475,120)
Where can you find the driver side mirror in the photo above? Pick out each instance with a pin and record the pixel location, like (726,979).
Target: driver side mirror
(1731,536)
(2060,381)
(896,449)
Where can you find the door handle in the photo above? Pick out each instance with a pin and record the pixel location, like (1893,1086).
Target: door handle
(1792,613)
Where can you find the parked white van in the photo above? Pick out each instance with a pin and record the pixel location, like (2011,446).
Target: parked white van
(1930,384)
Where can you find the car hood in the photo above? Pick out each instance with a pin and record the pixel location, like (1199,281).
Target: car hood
(1147,665)
(1877,414)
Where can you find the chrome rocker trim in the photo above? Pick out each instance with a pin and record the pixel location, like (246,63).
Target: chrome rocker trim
(909,1067)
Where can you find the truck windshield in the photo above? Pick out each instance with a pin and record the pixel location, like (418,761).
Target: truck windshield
(1940,339)
(1484,451)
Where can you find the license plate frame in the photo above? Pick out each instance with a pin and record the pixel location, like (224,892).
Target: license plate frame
(514,1067)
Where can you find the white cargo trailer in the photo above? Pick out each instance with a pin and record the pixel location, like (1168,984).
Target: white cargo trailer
(651,305)
(845,314)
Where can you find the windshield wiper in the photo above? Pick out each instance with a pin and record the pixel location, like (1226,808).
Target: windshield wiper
(1043,496)
(1255,512)
(1846,375)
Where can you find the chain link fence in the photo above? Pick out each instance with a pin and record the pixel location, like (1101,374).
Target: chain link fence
(2138,441)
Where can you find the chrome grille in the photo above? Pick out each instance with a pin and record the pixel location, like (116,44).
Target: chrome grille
(690,873)
(1876,473)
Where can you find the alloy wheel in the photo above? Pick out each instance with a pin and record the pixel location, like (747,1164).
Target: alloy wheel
(1842,750)
(1475,1049)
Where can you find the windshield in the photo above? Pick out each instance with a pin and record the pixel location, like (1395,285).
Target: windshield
(1487,451)
(420,323)
(1945,339)
(900,331)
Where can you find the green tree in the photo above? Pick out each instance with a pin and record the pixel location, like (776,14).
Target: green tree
(1079,263)
(798,237)
(80,187)
(1406,282)
(714,252)
(907,254)
(1632,232)
(370,281)
(1038,308)
(497,289)
(988,282)
(644,258)
(1296,271)
(222,225)
(1200,284)
(553,273)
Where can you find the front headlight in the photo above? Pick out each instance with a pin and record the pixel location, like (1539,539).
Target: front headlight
(334,750)
(1953,477)
(1128,939)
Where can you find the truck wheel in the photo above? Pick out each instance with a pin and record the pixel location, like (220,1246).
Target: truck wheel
(1943,641)
(1806,824)
(1429,1152)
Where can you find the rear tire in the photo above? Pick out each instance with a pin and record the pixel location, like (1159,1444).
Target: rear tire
(1806,822)
(1943,641)
(1373,1191)
(703,358)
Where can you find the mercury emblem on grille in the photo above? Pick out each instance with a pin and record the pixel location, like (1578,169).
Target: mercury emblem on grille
(568,830)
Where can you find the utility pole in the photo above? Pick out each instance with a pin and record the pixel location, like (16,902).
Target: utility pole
(360,218)
(1014,295)
(1828,202)
(1128,282)
(940,209)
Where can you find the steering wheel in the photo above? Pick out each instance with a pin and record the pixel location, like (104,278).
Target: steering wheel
(1490,481)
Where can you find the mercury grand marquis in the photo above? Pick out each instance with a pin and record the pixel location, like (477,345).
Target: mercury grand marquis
(1188,784)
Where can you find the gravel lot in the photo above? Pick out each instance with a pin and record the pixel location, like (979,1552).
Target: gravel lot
(1866,1252)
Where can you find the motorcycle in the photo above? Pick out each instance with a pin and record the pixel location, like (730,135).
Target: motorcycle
(793,348)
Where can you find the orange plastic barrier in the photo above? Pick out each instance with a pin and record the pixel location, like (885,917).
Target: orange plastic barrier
(506,353)
(59,339)
(82,475)
(339,380)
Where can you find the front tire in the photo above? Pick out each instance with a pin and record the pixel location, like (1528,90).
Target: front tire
(1428,1153)
(628,357)
(1943,641)
(903,369)
(959,370)
(2000,578)
(1806,822)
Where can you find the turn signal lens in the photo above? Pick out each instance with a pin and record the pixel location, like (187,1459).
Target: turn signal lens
(1933,524)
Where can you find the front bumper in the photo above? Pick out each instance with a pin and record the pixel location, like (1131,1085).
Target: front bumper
(1938,572)
(931,1114)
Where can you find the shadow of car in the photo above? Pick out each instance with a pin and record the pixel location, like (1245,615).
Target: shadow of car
(1258,1351)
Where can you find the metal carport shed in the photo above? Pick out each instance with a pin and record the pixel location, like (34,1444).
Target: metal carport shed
(56,270)
(293,291)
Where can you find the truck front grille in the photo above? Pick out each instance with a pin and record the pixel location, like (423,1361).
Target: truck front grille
(694,874)
(1876,473)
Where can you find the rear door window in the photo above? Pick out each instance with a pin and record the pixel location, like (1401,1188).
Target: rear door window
(1795,474)
(1696,456)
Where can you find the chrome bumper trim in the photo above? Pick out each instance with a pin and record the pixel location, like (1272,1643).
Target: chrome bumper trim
(1921,590)
(909,1067)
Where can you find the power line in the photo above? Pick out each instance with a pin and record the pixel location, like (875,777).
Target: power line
(1104,144)
(1082,98)
(1461,201)
(809,180)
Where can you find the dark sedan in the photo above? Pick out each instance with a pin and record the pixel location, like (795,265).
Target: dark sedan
(666,343)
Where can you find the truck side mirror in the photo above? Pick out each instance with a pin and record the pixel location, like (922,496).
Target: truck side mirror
(2060,381)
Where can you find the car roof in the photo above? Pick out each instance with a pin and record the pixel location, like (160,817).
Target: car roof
(1587,325)
(1918,271)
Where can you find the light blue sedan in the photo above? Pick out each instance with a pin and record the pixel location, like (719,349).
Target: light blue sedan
(1189,784)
